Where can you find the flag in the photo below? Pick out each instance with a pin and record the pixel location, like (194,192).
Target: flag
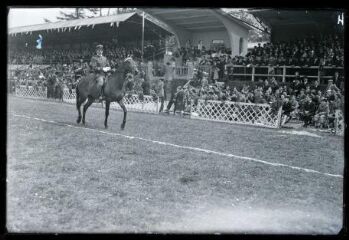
(39,42)
(117,24)
(112,24)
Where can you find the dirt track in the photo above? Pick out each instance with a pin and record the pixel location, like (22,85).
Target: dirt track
(64,179)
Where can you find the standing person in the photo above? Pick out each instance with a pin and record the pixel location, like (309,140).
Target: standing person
(161,93)
(173,85)
(179,102)
(97,63)
(146,87)
(215,73)
(200,46)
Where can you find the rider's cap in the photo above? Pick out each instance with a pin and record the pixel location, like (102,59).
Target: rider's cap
(100,46)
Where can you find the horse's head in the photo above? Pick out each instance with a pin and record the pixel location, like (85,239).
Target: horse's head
(130,65)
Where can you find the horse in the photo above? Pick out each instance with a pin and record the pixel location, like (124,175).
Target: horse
(113,91)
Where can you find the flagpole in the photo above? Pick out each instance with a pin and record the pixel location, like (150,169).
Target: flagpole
(142,35)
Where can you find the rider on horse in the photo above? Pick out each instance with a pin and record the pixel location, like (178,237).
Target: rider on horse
(98,63)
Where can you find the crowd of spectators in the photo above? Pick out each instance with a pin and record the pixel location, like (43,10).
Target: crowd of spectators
(326,51)
(300,100)
(114,52)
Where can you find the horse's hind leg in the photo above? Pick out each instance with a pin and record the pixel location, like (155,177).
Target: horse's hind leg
(79,101)
(107,105)
(122,105)
(78,106)
(89,102)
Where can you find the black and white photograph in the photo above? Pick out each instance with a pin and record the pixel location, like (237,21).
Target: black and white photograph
(148,120)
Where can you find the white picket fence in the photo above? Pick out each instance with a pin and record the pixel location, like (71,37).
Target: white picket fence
(229,112)
(237,112)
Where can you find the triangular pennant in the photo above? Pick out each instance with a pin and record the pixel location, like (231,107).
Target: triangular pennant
(112,24)
(93,26)
(79,27)
(75,27)
(69,29)
(117,24)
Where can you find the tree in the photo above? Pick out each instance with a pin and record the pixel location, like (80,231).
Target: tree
(76,14)
(260,32)
(125,10)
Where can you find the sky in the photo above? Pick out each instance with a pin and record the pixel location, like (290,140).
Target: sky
(30,16)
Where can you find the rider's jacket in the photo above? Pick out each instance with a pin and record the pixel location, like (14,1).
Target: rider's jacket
(97,64)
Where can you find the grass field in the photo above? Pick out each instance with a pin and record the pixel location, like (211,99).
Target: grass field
(158,175)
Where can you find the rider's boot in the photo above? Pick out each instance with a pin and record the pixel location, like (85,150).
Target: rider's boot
(101,94)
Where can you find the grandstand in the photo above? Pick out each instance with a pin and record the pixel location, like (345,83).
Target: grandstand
(318,56)
(220,137)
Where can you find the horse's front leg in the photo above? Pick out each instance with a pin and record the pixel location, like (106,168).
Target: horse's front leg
(89,102)
(107,105)
(122,105)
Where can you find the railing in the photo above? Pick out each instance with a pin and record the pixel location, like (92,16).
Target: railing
(237,112)
(183,73)
(252,73)
(220,111)
(132,102)
(282,72)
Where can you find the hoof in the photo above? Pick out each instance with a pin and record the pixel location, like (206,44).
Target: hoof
(106,126)
(122,126)
(78,120)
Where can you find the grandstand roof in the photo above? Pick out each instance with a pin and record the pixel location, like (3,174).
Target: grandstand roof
(278,17)
(193,19)
(77,23)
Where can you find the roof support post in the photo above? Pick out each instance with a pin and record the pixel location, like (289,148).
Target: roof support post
(143,35)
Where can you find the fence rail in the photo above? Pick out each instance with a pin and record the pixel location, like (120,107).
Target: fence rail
(282,72)
(220,111)
(236,112)
(252,72)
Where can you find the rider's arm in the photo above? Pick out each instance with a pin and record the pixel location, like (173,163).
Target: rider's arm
(94,64)
(107,63)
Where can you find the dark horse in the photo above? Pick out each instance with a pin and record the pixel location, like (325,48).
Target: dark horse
(113,91)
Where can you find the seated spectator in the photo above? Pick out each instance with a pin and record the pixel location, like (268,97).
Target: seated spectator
(321,114)
(307,111)
(315,87)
